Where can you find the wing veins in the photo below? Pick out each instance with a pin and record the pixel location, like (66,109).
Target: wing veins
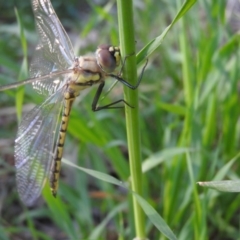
(32,80)
(37,150)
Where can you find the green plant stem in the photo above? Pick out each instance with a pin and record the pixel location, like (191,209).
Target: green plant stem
(187,81)
(127,44)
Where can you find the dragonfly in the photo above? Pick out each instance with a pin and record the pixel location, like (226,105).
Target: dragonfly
(60,77)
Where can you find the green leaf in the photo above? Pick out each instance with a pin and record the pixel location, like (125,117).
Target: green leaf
(23,71)
(155,43)
(162,156)
(227,185)
(153,216)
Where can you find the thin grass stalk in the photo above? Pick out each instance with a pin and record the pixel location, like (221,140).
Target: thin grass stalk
(187,80)
(127,44)
(186,137)
(23,72)
(197,223)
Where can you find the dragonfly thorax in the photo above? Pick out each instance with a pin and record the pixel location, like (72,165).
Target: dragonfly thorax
(87,71)
(90,70)
(108,57)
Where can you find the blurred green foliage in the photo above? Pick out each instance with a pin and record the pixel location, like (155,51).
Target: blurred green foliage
(189,97)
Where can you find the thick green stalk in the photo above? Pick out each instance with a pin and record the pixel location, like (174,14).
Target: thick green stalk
(127,44)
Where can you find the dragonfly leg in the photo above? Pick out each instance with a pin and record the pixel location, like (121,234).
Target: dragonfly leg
(108,106)
(123,63)
(120,79)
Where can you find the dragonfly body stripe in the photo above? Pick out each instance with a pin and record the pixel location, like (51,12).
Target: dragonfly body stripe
(69,99)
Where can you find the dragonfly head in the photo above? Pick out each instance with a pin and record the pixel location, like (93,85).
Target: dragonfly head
(108,57)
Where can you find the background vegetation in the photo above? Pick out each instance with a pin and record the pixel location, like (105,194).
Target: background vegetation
(189,102)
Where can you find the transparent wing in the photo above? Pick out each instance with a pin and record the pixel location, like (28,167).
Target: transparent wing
(53,76)
(54,51)
(51,82)
(34,147)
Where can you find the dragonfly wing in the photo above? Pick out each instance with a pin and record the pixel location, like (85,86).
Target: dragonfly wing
(34,147)
(54,51)
(51,82)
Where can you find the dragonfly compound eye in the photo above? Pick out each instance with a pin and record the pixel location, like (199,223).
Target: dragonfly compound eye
(108,57)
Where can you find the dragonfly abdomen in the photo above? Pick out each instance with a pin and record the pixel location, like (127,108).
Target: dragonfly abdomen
(69,99)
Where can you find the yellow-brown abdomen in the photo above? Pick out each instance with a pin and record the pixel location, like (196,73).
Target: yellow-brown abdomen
(69,99)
